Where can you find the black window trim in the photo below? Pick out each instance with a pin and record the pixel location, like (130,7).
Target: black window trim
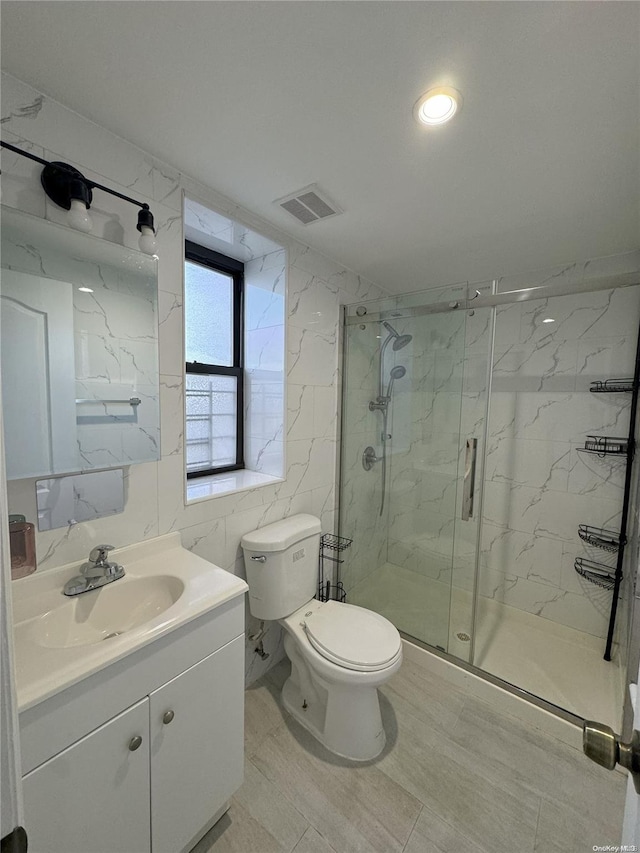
(222,263)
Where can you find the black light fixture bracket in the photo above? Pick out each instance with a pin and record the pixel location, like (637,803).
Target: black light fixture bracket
(62,183)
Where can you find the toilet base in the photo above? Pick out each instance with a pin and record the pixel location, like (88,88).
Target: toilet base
(345,718)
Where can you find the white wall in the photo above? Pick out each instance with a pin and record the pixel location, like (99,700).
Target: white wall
(316,288)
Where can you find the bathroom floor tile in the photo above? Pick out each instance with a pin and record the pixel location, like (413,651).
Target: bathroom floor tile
(470,795)
(456,776)
(313,842)
(410,687)
(533,760)
(238,832)
(432,835)
(260,819)
(570,830)
(263,713)
(356,807)
(266,804)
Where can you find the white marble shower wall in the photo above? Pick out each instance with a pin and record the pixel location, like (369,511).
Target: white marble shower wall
(316,287)
(361,491)
(426,424)
(538,486)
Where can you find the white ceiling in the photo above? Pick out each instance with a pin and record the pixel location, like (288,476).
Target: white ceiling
(258,99)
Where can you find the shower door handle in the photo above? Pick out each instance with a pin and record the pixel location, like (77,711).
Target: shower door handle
(602,745)
(469,482)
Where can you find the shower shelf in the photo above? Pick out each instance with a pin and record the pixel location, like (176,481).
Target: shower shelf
(600,537)
(326,590)
(596,573)
(604,445)
(611,386)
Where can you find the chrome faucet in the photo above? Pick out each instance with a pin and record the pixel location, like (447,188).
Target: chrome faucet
(96,572)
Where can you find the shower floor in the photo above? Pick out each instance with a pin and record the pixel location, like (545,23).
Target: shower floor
(556,663)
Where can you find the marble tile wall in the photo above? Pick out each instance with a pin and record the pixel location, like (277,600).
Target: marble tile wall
(539,487)
(361,490)
(316,285)
(265,296)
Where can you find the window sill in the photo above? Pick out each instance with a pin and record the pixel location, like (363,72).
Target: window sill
(216,485)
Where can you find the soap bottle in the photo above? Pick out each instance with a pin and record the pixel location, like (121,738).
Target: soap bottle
(22,544)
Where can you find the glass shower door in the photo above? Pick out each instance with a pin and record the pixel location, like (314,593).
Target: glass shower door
(404,456)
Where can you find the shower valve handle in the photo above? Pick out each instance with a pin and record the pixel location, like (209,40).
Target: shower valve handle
(369,458)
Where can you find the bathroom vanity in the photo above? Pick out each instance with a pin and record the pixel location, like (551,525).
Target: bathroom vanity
(131,703)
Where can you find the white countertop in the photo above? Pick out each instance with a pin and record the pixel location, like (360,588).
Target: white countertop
(43,670)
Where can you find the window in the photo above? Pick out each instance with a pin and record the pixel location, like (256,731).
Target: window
(214,288)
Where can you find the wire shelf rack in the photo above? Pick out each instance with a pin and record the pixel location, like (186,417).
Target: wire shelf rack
(334,543)
(604,445)
(611,386)
(597,573)
(331,592)
(600,537)
(328,591)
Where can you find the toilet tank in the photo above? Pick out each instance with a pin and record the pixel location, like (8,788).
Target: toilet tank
(287,577)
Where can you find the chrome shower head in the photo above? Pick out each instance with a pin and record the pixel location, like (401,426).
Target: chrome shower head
(400,340)
(397,372)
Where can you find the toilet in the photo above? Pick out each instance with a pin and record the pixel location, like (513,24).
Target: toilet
(340,654)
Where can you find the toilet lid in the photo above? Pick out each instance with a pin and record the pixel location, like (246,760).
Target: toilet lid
(352,636)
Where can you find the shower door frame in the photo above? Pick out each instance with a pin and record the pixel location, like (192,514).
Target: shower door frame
(494,300)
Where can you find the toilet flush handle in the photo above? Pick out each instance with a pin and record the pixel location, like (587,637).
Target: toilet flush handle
(260,559)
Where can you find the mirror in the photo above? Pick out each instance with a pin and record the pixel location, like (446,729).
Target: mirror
(78,350)
(68,500)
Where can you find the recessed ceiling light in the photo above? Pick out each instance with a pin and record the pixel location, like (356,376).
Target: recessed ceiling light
(437,106)
(548,320)
(85,290)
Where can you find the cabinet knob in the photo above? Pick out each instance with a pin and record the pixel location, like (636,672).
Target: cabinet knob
(135,743)
(167,717)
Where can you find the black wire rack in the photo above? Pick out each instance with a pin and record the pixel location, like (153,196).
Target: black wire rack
(328,591)
(596,573)
(599,537)
(611,386)
(604,445)
(331,542)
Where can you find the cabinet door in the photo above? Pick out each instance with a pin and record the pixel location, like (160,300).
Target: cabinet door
(197,754)
(94,796)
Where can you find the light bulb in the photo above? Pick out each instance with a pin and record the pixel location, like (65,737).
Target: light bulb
(147,241)
(438,106)
(78,216)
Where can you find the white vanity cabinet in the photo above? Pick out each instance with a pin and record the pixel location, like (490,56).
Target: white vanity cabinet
(197,735)
(143,755)
(94,796)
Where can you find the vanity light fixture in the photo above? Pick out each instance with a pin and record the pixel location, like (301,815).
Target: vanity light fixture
(437,106)
(68,188)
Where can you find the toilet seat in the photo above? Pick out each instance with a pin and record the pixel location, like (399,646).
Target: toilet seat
(352,637)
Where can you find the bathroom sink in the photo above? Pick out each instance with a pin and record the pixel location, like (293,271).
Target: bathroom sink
(61,640)
(105,613)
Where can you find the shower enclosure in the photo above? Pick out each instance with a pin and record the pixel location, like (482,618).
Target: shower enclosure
(477,478)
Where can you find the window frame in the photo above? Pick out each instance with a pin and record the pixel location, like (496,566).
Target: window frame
(218,262)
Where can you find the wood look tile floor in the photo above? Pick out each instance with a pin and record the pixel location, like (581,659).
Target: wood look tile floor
(456,776)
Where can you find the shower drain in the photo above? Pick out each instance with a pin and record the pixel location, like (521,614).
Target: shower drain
(462,635)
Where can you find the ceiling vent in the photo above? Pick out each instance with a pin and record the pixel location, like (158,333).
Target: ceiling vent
(308,205)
